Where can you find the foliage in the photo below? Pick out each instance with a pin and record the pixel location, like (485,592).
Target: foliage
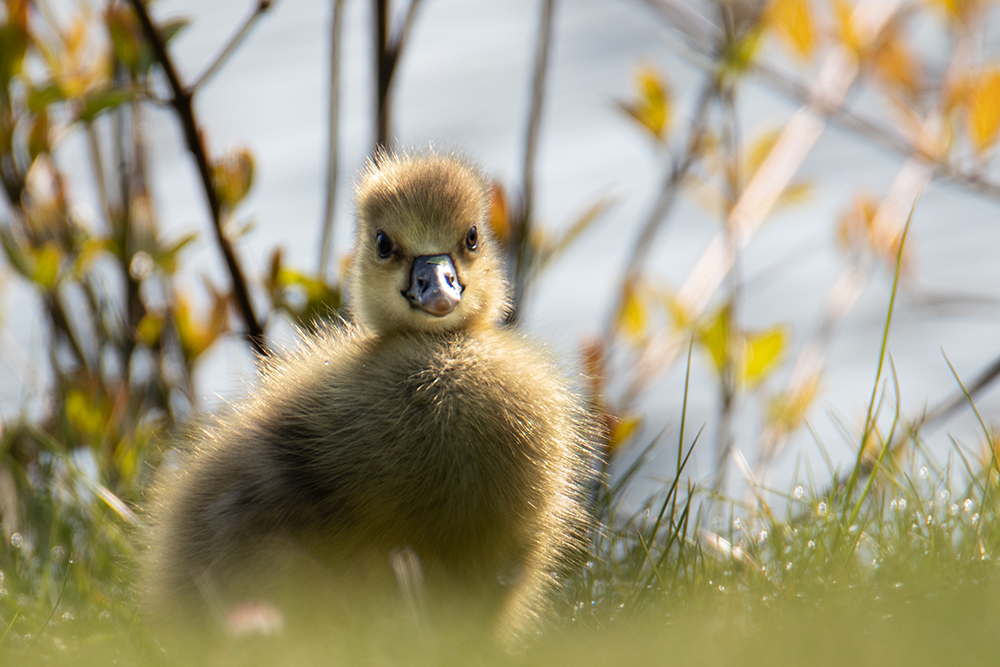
(847,553)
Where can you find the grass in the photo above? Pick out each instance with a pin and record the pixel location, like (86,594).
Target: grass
(893,563)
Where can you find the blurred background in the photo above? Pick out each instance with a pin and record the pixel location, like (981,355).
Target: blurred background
(732,178)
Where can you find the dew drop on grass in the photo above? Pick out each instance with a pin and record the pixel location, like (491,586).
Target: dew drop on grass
(810,544)
(922,472)
(944,495)
(737,524)
(968,505)
(902,504)
(326,363)
(798,492)
(788,565)
(821,509)
(67,616)
(975,518)
(16,540)
(893,504)
(953,509)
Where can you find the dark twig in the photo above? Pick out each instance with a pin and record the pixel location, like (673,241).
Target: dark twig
(181,102)
(387,51)
(230,48)
(521,242)
(326,242)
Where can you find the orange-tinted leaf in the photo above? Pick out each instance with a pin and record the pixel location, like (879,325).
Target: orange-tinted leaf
(499,213)
(898,65)
(984,110)
(845,25)
(792,21)
(233,176)
(788,410)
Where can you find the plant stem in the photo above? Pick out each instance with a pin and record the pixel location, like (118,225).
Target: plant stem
(230,48)
(326,242)
(521,242)
(181,102)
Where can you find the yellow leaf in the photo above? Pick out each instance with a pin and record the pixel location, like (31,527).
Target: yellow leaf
(788,410)
(621,430)
(854,229)
(196,336)
(233,176)
(715,336)
(761,352)
(792,20)
(845,24)
(47,265)
(678,312)
(897,64)
(633,318)
(84,414)
(149,328)
(741,51)
(653,108)
(984,110)
(759,149)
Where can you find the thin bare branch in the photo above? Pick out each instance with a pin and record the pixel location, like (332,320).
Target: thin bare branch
(181,102)
(332,162)
(234,42)
(521,242)
(388,49)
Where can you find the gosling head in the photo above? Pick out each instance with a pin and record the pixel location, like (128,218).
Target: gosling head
(424,256)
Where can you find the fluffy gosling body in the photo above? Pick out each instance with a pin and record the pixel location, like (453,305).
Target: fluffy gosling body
(422,426)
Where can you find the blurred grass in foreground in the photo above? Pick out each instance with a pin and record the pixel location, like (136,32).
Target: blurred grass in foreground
(889,562)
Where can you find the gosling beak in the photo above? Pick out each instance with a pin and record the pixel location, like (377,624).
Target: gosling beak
(434,285)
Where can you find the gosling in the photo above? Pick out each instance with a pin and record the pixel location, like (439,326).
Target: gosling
(421,428)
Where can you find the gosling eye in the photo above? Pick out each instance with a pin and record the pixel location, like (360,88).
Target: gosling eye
(383,245)
(472,238)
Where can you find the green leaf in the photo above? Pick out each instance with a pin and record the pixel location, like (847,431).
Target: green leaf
(41,97)
(14,41)
(46,272)
(101,100)
(166,258)
(15,253)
